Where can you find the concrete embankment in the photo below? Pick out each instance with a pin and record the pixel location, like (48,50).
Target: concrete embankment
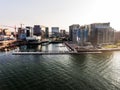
(72,47)
(109,49)
(98,50)
(51,53)
(80,50)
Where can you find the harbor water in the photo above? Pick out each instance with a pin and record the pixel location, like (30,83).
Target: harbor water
(59,72)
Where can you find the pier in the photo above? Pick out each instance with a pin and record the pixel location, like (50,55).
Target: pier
(52,53)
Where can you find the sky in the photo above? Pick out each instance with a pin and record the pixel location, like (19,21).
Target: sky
(59,13)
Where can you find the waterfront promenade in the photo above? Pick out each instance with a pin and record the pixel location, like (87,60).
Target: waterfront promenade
(7,45)
(73,47)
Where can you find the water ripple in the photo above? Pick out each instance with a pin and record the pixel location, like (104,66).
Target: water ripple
(60,72)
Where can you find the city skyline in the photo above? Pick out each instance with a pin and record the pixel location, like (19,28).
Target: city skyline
(62,13)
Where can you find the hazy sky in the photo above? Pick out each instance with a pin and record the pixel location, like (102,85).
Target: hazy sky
(61,13)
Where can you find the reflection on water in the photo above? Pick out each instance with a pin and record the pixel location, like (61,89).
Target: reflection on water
(30,48)
(59,72)
(50,47)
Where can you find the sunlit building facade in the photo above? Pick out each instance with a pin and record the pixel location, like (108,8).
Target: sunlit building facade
(101,33)
(117,36)
(82,35)
(73,29)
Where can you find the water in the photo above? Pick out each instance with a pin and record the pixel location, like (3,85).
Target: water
(59,72)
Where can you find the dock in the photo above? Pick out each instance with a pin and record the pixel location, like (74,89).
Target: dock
(52,53)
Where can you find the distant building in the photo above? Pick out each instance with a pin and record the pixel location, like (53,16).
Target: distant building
(1,31)
(101,33)
(96,34)
(62,33)
(37,30)
(82,35)
(117,36)
(55,32)
(42,34)
(21,34)
(5,32)
(29,31)
(73,32)
(46,32)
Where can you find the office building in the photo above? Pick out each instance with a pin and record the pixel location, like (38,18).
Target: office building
(117,36)
(29,31)
(46,32)
(37,30)
(73,32)
(55,31)
(62,33)
(82,35)
(21,34)
(101,33)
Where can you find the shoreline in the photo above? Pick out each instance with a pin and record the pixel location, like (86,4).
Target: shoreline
(12,44)
(72,47)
